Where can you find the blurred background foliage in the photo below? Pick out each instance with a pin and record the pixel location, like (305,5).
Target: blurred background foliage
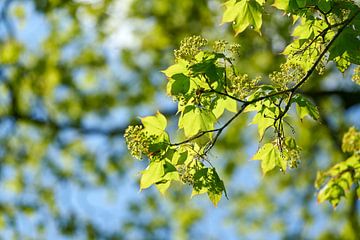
(75,73)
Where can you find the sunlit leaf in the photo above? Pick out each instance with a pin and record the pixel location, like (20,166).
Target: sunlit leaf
(270,157)
(243,14)
(152,174)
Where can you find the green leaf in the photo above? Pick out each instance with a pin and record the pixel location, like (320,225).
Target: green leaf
(324,5)
(345,49)
(223,103)
(270,157)
(294,6)
(206,180)
(338,180)
(163,186)
(180,84)
(179,157)
(177,68)
(281,4)
(170,174)
(261,2)
(265,117)
(152,174)
(305,107)
(263,121)
(263,90)
(291,143)
(342,62)
(301,3)
(154,124)
(306,29)
(243,14)
(229,14)
(230,105)
(193,120)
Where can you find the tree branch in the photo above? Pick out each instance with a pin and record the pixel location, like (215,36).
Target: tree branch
(292,91)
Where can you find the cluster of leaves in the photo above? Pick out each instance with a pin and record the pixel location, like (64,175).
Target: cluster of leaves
(170,163)
(315,23)
(205,82)
(345,175)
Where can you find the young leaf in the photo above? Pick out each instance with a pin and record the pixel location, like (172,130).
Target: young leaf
(154,124)
(177,68)
(170,174)
(281,4)
(305,107)
(267,112)
(152,174)
(223,103)
(230,105)
(263,122)
(338,180)
(206,180)
(163,186)
(243,14)
(270,157)
(194,120)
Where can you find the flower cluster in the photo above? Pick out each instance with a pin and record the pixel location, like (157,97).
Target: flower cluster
(242,85)
(289,74)
(220,45)
(136,140)
(189,47)
(356,76)
(351,141)
(235,49)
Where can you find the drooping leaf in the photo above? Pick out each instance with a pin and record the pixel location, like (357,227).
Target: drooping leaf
(152,174)
(263,122)
(265,116)
(305,107)
(163,186)
(206,180)
(270,157)
(170,174)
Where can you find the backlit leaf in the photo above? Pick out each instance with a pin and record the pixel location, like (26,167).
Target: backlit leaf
(155,124)
(305,107)
(243,14)
(152,174)
(270,157)
(194,120)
